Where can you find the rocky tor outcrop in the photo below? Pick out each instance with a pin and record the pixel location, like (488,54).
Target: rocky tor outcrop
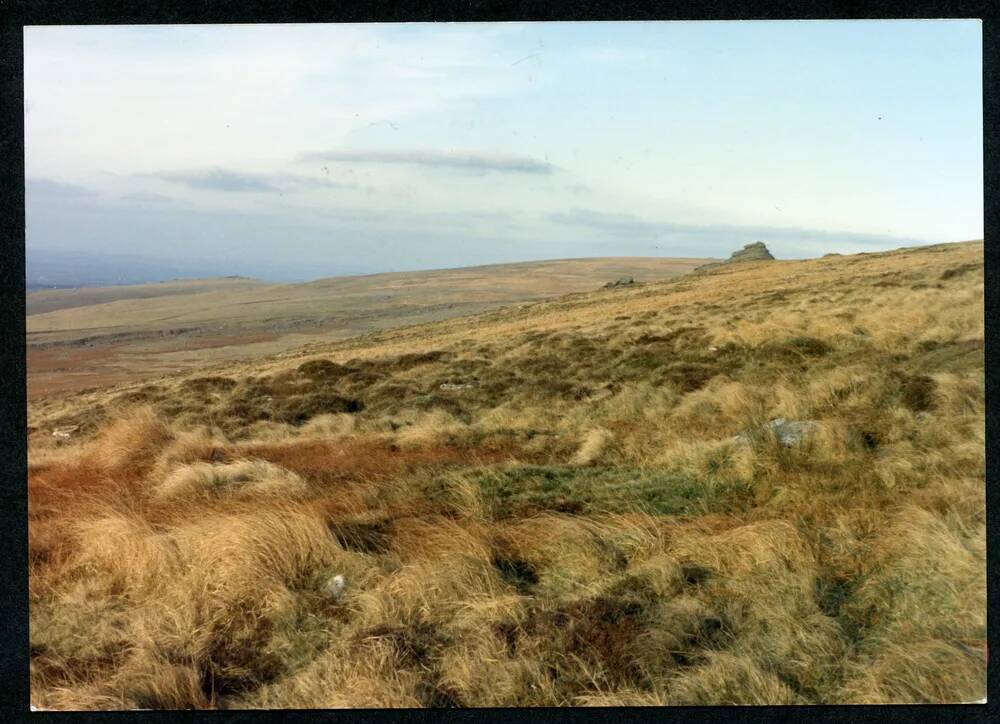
(756,251)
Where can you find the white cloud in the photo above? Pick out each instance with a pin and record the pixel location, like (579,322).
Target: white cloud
(491,137)
(251,96)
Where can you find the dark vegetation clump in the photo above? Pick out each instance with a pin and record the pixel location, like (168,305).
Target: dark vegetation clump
(960,270)
(373,537)
(694,574)
(513,569)
(208,384)
(565,366)
(238,660)
(601,631)
(866,439)
(416,645)
(959,356)
(292,397)
(299,409)
(796,349)
(517,572)
(916,392)
(322,369)
(411,360)
(605,634)
(144,395)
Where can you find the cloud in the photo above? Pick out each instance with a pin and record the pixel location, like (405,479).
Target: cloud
(221,179)
(148,198)
(38,188)
(437,159)
(616,224)
(216,180)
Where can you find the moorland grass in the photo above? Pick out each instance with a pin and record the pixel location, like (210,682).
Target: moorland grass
(540,506)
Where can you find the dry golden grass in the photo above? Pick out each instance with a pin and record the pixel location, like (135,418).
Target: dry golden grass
(543,506)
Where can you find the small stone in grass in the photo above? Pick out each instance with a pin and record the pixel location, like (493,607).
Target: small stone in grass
(334,588)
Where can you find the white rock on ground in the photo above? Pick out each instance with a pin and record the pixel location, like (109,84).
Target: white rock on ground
(458,385)
(334,588)
(64,433)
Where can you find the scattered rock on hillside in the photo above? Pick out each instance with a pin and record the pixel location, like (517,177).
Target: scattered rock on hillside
(623,282)
(788,432)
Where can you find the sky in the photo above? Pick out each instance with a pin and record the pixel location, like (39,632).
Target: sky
(293,152)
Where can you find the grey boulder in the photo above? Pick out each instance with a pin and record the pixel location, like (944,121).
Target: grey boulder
(788,432)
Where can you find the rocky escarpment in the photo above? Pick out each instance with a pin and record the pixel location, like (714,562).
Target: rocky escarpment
(757,251)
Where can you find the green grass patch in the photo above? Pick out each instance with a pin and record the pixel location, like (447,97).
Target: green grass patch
(522,490)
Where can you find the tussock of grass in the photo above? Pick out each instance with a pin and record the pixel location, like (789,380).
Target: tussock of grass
(543,506)
(241,478)
(594,443)
(131,442)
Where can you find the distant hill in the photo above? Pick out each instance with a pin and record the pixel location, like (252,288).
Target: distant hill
(41,300)
(58,268)
(97,335)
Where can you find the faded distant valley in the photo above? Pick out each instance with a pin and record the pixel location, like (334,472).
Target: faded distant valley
(84,337)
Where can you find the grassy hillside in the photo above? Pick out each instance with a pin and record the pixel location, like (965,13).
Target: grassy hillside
(79,338)
(576,502)
(43,301)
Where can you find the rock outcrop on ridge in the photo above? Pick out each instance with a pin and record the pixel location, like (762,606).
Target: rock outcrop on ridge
(756,251)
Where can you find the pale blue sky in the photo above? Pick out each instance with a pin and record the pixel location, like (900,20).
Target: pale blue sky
(300,151)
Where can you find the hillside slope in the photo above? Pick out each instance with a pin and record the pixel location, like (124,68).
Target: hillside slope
(42,301)
(760,484)
(80,338)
